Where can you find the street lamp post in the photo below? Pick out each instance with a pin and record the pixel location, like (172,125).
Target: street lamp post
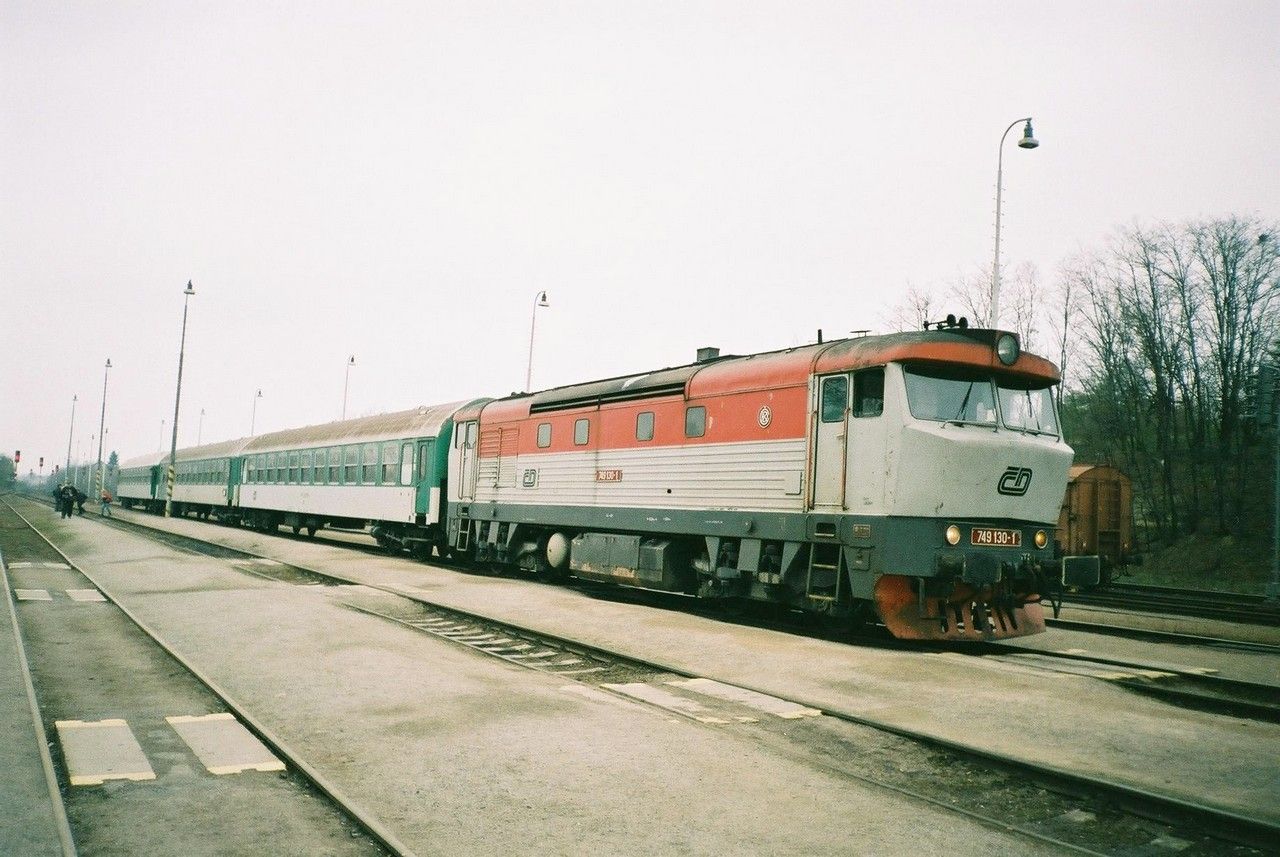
(177,399)
(540,299)
(351,361)
(253,417)
(102,421)
(200,427)
(1027,142)
(70,435)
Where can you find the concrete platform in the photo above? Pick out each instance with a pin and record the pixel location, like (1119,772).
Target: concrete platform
(1076,723)
(28,824)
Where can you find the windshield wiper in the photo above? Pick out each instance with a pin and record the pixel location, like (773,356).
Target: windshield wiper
(963,404)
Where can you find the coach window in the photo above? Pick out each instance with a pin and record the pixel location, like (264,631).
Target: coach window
(835,398)
(644,425)
(369,472)
(350,464)
(335,465)
(406,464)
(581,432)
(294,473)
(868,392)
(390,463)
(249,474)
(544,435)
(695,421)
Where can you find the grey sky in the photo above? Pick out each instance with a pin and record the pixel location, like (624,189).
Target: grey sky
(397,181)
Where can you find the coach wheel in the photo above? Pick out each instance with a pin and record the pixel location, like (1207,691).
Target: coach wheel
(311,532)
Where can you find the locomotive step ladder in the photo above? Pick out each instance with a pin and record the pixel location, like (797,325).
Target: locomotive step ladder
(464,535)
(826,567)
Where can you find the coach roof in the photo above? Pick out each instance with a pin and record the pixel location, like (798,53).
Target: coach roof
(423,421)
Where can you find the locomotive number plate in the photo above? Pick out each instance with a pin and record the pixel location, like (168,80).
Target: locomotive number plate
(990,537)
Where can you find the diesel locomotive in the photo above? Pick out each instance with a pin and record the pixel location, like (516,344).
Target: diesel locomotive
(911,478)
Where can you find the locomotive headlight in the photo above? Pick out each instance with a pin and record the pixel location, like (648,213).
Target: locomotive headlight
(953,535)
(1007,349)
(1042,538)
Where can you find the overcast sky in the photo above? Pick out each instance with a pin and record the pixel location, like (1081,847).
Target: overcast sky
(398,181)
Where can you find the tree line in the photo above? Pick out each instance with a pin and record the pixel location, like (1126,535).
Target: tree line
(1160,335)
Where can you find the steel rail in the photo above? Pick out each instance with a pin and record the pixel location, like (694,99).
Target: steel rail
(1229,695)
(1221,823)
(1157,636)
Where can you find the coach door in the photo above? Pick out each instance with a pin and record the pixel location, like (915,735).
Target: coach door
(831,427)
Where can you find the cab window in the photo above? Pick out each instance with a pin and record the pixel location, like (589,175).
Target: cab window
(868,393)
(835,398)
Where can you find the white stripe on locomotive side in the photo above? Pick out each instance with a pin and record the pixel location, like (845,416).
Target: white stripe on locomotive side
(759,476)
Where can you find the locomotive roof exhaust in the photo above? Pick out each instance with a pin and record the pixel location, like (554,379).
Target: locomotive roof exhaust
(707,354)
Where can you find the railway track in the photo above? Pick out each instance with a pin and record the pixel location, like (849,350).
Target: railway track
(1223,606)
(1064,794)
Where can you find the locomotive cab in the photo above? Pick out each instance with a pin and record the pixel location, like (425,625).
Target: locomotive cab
(970,499)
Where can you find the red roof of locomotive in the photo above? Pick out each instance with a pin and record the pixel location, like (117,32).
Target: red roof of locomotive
(774,369)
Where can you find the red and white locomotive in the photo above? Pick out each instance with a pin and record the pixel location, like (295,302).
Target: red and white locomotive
(919,473)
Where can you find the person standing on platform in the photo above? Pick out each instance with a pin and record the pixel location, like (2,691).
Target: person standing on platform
(105,499)
(66,500)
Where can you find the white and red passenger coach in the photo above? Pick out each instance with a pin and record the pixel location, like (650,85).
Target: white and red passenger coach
(921,473)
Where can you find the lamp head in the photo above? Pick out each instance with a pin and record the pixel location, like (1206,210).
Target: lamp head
(1028,141)
(351,361)
(542,299)
(108,362)
(190,290)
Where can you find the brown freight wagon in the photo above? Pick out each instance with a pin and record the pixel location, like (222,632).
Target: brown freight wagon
(1097,516)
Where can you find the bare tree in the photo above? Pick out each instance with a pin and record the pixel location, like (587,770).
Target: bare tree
(1174,322)
(916,308)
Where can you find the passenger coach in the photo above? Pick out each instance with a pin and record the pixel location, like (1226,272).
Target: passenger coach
(385,471)
(141,480)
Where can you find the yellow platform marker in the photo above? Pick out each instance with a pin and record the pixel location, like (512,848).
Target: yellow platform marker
(223,745)
(101,750)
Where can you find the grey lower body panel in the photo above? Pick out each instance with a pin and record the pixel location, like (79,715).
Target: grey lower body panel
(873,545)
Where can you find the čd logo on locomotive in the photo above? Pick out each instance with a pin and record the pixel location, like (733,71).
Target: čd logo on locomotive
(1015,481)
